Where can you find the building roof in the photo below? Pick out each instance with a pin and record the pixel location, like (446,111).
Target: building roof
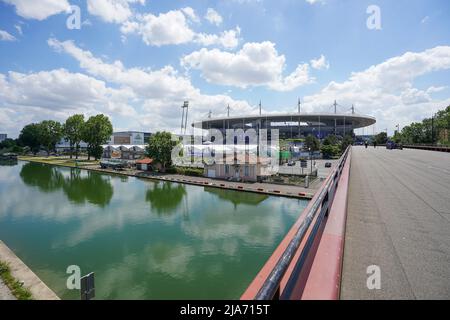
(144,161)
(125,147)
(359,121)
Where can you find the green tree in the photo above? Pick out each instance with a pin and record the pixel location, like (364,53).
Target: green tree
(381,138)
(30,137)
(397,137)
(73,131)
(329,151)
(312,142)
(95,133)
(50,133)
(347,141)
(330,140)
(160,148)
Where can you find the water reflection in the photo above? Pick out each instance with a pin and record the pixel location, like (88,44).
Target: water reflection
(237,197)
(165,197)
(134,234)
(46,178)
(78,186)
(93,188)
(8,163)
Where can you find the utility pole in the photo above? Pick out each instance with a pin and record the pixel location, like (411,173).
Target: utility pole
(432,129)
(259,107)
(228,110)
(335,123)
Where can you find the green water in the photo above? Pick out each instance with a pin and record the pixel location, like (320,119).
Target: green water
(143,239)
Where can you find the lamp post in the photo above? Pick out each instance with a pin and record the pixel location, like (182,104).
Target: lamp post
(310,157)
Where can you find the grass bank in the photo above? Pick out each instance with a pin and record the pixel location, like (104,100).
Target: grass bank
(61,161)
(14,285)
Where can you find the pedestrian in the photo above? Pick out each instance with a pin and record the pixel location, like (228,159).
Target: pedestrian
(365,143)
(374,144)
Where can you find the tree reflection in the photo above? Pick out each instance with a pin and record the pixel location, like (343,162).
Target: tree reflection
(237,197)
(165,197)
(45,177)
(93,188)
(79,188)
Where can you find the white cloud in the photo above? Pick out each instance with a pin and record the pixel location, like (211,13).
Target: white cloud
(19,29)
(315,1)
(228,39)
(190,13)
(320,63)
(160,93)
(166,28)
(26,98)
(39,10)
(256,64)
(116,11)
(6,36)
(173,28)
(386,90)
(213,17)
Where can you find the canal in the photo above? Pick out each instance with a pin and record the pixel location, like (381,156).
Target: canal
(143,239)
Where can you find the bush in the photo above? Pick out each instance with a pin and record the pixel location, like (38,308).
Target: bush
(330,151)
(195,172)
(171,170)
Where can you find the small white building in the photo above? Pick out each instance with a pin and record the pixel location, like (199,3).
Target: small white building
(240,167)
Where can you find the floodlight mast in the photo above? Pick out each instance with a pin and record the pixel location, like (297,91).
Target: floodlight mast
(184,117)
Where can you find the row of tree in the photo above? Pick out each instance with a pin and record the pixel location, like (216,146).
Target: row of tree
(429,131)
(46,134)
(331,146)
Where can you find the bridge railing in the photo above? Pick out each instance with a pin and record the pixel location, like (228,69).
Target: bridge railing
(430,147)
(309,226)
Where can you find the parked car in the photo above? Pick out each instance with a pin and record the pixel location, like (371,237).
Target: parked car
(327,164)
(291,163)
(390,145)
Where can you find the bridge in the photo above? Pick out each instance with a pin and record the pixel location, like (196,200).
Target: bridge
(381,213)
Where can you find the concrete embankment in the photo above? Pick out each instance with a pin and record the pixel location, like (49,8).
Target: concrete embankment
(289,191)
(22,273)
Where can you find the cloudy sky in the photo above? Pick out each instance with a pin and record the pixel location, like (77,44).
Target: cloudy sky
(138,60)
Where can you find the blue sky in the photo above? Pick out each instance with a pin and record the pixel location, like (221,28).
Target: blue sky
(137,60)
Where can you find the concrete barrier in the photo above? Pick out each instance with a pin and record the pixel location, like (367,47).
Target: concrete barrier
(21,272)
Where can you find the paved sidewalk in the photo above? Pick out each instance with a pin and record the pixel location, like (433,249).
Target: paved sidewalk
(398,218)
(5,293)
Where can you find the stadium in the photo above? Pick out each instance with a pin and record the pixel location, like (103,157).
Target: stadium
(293,125)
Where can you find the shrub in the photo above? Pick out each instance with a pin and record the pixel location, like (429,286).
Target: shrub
(329,151)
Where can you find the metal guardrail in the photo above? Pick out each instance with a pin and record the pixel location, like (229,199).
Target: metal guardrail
(428,147)
(320,208)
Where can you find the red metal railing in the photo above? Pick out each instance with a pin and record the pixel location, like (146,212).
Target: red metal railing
(303,238)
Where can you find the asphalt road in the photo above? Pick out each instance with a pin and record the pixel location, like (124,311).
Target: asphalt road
(398,219)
